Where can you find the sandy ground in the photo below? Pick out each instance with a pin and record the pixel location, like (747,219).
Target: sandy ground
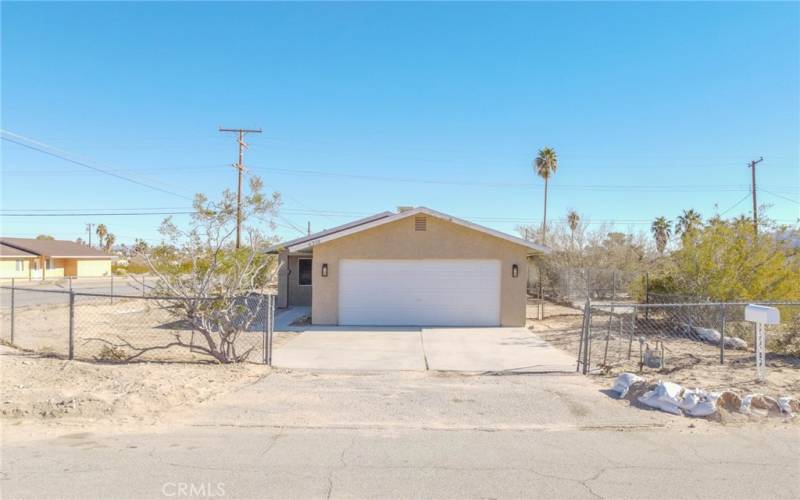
(691,363)
(46,388)
(45,330)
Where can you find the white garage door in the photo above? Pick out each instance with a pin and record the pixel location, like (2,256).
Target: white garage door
(419,292)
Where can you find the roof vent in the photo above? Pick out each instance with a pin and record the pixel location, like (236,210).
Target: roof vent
(404,208)
(420,223)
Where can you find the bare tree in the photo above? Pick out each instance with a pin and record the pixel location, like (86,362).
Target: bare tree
(207,283)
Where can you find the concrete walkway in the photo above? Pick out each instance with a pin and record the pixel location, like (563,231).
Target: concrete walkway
(420,349)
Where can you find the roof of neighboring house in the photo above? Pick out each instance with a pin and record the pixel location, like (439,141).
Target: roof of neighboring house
(309,241)
(7,251)
(54,248)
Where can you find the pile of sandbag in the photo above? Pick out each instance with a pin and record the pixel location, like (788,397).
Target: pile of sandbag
(673,398)
(713,337)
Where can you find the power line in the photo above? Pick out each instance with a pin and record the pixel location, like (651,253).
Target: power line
(779,196)
(88,214)
(46,149)
(734,205)
(577,187)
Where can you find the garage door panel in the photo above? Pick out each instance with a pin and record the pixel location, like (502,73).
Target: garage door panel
(419,292)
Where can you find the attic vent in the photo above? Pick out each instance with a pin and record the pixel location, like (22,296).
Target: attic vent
(420,223)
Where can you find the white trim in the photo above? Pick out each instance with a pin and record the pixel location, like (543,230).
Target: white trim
(282,246)
(419,210)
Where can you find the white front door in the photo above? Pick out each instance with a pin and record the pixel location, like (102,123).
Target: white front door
(419,292)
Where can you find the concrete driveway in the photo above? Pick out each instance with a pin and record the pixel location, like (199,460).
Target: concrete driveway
(420,349)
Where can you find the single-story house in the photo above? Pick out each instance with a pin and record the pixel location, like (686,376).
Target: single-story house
(29,258)
(413,267)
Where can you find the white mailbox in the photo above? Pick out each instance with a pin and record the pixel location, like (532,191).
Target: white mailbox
(762,314)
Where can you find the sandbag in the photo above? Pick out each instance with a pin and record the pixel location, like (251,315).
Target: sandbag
(665,397)
(624,382)
(699,403)
(788,405)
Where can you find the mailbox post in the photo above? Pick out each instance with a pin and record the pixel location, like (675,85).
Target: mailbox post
(761,315)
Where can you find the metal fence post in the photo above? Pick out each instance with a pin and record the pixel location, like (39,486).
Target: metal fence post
(633,329)
(587,357)
(112,289)
(583,336)
(12,311)
(71,324)
(722,337)
(270,327)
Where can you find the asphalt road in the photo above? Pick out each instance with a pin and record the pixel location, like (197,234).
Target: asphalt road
(407,435)
(32,293)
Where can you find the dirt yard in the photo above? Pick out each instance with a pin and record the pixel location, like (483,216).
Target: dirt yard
(39,388)
(691,363)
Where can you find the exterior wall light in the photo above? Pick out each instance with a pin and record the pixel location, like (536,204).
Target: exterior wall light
(324,270)
(514,271)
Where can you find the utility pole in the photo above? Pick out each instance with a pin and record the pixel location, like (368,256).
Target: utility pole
(752,166)
(309,227)
(240,167)
(89,227)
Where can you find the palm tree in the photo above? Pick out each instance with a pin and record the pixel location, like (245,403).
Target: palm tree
(573,219)
(545,165)
(110,239)
(661,229)
(101,232)
(689,220)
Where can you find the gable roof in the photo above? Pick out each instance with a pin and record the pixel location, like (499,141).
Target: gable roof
(54,248)
(341,231)
(285,245)
(8,251)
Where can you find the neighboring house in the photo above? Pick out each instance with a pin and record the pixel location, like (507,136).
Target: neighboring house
(16,263)
(43,259)
(413,267)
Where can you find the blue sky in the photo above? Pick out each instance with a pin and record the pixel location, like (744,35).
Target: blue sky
(653,108)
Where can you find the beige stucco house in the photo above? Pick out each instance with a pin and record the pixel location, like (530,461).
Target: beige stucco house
(27,258)
(413,267)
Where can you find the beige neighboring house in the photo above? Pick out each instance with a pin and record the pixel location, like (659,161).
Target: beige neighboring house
(29,258)
(413,267)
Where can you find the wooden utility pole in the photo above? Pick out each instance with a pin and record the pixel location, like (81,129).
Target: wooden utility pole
(89,229)
(752,166)
(240,167)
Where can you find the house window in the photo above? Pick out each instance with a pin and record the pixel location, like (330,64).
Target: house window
(19,265)
(35,264)
(51,264)
(304,274)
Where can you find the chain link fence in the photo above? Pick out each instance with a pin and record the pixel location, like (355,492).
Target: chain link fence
(99,326)
(572,286)
(673,336)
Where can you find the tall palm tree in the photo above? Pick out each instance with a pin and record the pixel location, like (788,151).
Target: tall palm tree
(101,232)
(687,221)
(661,229)
(545,166)
(573,219)
(110,240)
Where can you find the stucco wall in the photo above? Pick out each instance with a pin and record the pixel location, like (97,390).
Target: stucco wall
(399,240)
(93,267)
(8,268)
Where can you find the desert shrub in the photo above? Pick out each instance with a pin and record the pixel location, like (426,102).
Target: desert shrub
(112,354)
